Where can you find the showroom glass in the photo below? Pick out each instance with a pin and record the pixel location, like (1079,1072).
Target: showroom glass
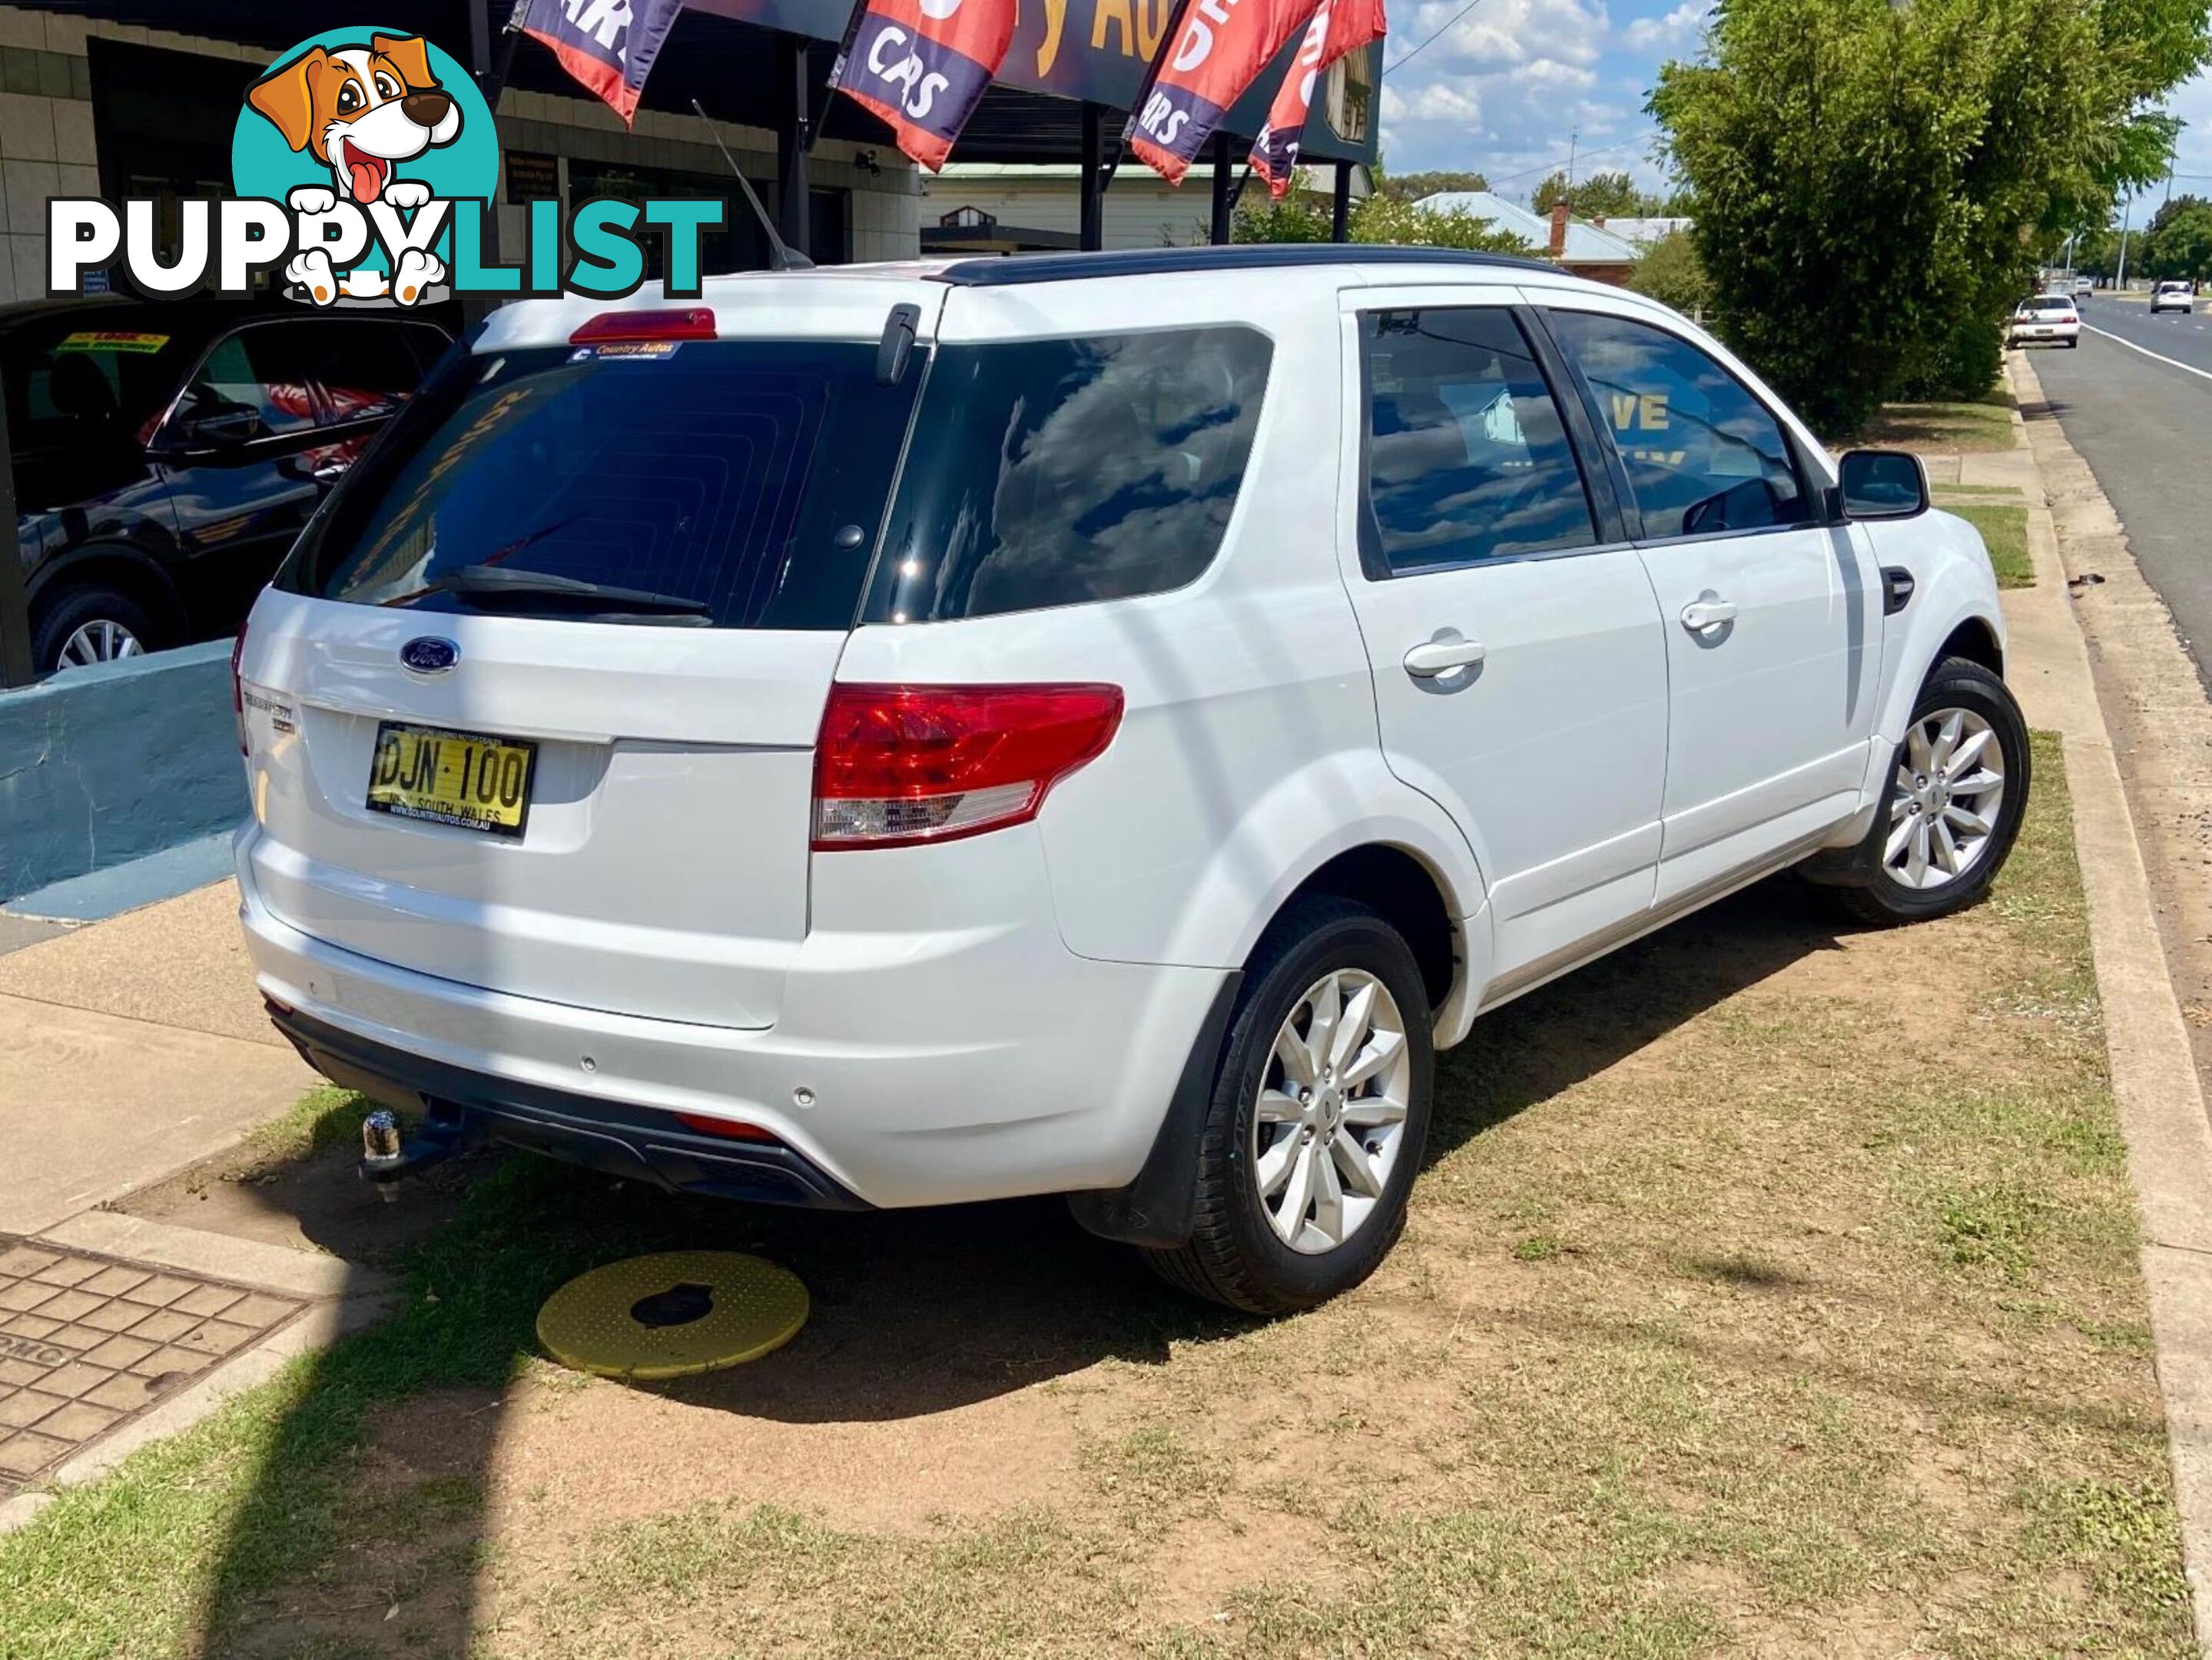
(1701,454)
(1466,456)
(747,475)
(1051,472)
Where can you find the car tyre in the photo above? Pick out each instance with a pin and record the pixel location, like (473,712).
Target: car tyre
(1262,1149)
(93,624)
(1899,873)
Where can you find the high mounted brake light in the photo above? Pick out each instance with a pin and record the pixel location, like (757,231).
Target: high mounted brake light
(898,765)
(687,323)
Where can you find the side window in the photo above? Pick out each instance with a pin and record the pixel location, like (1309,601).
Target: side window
(364,368)
(256,380)
(1052,472)
(1703,455)
(1467,458)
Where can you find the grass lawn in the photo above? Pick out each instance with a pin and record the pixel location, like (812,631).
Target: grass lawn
(1985,423)
(2004,532)
(1771,1289)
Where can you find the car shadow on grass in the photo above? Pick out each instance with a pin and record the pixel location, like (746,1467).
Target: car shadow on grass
(363,1528)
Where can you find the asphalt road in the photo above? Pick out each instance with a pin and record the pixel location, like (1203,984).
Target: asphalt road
(2140,424)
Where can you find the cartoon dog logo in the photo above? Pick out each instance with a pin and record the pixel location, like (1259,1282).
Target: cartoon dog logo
(361,110)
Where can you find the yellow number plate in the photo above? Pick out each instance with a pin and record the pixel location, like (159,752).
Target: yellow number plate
(458,778)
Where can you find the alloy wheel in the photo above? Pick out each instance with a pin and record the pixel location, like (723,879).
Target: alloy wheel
(1331,1116)
(98,641)
(1943,810)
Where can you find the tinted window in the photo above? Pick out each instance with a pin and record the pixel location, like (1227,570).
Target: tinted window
(1466,456)
(747,475)
(69,383)
(365,369)
(264,371)
(1702,456)
(1048,472)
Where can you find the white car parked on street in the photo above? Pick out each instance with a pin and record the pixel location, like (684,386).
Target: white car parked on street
(1089,724)
(2047,319)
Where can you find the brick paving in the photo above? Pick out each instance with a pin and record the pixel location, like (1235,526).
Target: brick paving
(87,1342)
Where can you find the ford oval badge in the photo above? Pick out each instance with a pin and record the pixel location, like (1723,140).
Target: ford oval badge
(430,654)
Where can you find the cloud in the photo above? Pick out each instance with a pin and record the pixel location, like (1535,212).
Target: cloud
(1670,35)
(1506,88)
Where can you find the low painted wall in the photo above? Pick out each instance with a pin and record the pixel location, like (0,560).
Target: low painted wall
(105,764)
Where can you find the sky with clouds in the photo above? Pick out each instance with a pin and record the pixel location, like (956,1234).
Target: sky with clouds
(1503,90)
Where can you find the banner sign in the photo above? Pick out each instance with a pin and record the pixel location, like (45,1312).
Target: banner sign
(922,66)
(1094,50)
(1220,48)
(607,45)
(1339,26)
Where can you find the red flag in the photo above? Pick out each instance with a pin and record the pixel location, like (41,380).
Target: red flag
(1218,50)
(922,66)
(1340,27)
(609,49)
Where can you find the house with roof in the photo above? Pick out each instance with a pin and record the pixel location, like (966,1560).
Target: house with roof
(1588,248)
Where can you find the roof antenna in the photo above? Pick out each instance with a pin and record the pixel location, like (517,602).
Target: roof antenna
(779,257)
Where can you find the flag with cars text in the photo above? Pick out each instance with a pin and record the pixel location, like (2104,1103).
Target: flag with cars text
(1339,26)
(922,66)
(1217,49)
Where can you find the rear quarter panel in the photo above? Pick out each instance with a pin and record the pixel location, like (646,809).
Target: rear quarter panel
(1248,754)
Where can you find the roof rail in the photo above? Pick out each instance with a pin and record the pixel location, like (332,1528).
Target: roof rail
(1007,269)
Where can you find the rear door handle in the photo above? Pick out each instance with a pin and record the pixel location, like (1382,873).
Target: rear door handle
(1441,656)
(1707,612)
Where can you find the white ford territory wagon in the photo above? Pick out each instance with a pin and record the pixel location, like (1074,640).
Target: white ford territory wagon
(1089,724)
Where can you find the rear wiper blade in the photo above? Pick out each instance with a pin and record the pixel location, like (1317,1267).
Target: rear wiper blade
(499,581)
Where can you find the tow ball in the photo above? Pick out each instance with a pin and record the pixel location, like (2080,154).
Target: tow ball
(388,1153)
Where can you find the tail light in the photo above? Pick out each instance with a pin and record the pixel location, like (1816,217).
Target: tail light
(2069,317)
(898,765)
(237,689)
(683,323)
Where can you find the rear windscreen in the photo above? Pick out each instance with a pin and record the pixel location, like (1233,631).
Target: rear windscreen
(748,477)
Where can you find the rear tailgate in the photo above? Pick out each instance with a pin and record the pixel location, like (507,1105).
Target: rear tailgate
(662,867)
(719,500)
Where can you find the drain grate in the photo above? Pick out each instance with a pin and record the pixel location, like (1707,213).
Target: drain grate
(88,1342)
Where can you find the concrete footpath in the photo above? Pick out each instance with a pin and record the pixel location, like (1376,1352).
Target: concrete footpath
(131,1050)
(132,1047)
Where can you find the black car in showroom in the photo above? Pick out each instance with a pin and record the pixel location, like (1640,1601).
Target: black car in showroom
(167,452)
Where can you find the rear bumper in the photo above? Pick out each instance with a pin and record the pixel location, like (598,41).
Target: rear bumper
(624,1141)
(1003,1066)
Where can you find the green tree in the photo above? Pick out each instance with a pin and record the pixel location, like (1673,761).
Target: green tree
(1412,186)
(1375,218)
(2177,242)
(1671,273)
(1601,195)
(1873,182)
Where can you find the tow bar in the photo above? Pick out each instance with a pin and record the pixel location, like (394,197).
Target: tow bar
(387,1154)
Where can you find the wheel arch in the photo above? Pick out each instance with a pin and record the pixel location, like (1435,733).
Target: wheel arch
(1398,886)
(1974,640)
(127,570)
